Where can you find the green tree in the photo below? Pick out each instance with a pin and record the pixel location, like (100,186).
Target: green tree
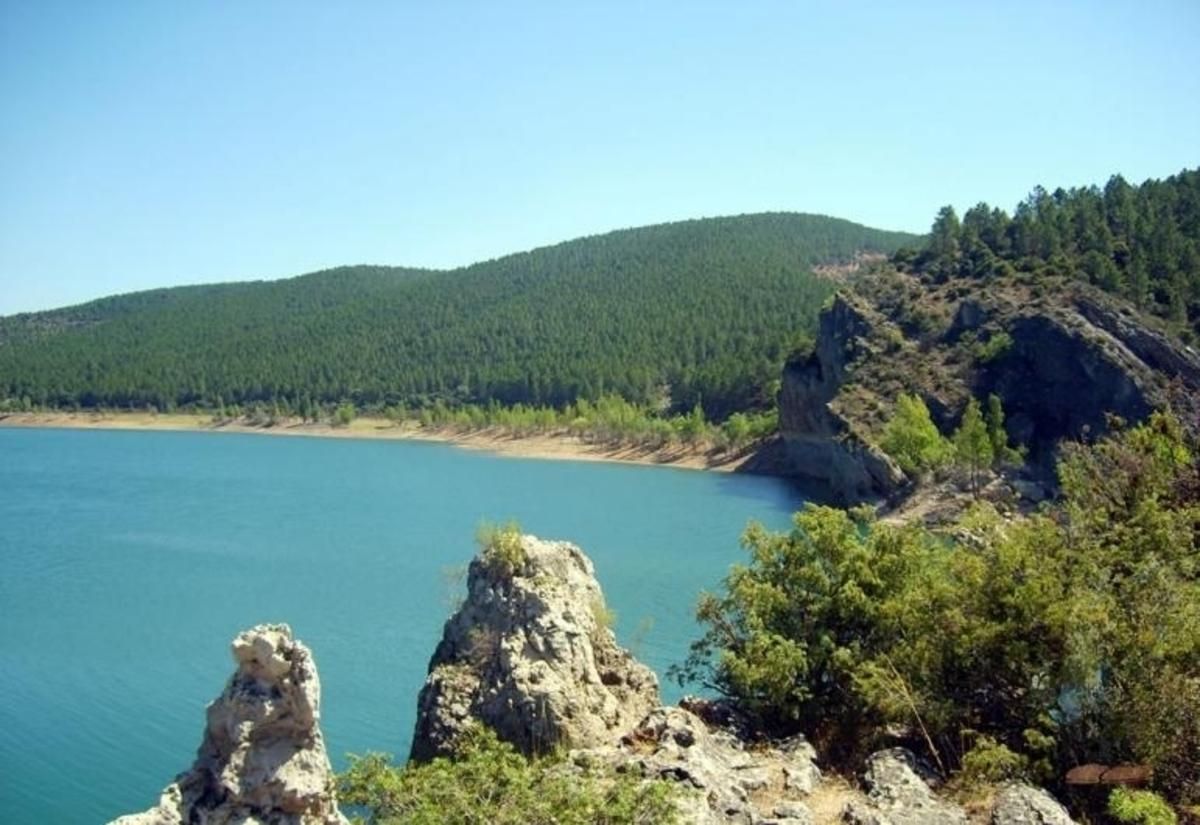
(912,439)
(343,415)
(1002,451)
(973,444)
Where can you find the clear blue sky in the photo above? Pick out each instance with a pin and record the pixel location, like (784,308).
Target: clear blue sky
(156,143)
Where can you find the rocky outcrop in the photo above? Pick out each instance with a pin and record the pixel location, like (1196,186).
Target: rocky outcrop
(262,759)
(725,782)
(819,443)
(528,654)
(1062,360)
(898,795)
(1026,805)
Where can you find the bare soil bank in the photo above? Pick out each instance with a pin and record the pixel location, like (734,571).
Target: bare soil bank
(563,445)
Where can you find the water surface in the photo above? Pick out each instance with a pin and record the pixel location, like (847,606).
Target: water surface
(130,559)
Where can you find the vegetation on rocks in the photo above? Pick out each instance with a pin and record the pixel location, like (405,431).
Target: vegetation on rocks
(1003,645)
(488,782)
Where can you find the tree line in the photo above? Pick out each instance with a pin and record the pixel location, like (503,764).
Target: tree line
(1140,242)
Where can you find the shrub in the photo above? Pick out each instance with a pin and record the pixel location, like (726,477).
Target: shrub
(501,548)
(1068,636)
(988,761)
(487,782)
(912,439)
(343,415)
(994,348)
(1139,808)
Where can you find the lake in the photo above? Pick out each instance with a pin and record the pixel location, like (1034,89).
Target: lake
(131,559)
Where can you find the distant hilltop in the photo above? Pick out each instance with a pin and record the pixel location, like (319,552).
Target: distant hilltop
(701,311)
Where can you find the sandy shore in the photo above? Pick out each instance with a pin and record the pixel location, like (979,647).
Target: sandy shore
(562,446)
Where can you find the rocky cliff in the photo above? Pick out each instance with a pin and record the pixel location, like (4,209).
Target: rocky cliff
(821,444)
(529,654)
(262,759)
(1061,356)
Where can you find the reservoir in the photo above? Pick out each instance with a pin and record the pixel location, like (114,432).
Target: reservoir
(131,559)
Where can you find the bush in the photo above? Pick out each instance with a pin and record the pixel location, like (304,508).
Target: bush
(1139,808)
(501,548)
(994,348)
(487,782)
(913,440)
(343,415)
(1068,636)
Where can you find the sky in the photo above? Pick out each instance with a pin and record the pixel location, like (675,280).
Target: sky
(147,144)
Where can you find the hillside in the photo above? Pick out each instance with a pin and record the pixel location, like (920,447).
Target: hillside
(703,310)
(1079,308)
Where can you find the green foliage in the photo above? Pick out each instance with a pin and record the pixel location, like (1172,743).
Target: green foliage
(487,782)
(610,420)
(994,347)
(1002,451)
(604,615)
(973,443)
(989,762)
(708,309)
(912,439)
(343,415)
(500,547)
(1140,242)
(1139,808)
(1068,636)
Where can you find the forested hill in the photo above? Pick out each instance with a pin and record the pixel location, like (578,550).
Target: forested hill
(1141,242)
(703,310)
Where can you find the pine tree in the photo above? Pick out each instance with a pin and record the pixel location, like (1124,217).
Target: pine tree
(972,444)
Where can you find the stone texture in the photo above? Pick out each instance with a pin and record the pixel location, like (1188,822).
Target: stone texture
(897,795)
(262,759)
(1074,356)
(1026,805)
(528,655)
(819,443)
(728,782)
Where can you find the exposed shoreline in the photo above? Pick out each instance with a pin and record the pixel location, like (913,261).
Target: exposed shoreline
(558,446)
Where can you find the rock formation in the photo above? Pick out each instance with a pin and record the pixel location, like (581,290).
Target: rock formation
(262,759)
(898,795)
(1026,805)
(725,781)
(821,444)
(1061,359)
(529,655)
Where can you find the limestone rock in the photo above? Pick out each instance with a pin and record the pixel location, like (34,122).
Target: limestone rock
(528,655)
(724,781)
(1060,360)
(897,795)
(262,759)
(1026,805)
(820,443)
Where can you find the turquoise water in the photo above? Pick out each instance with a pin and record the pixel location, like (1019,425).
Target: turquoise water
(130,559)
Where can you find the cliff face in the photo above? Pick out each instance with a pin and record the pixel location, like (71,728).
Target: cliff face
(1061,357)
(821,444)
(262,758)
(529,655)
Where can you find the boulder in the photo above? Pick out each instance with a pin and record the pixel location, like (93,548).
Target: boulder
(898,795)
(262,759)
(1020,804)
(725,781)
(529,654)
